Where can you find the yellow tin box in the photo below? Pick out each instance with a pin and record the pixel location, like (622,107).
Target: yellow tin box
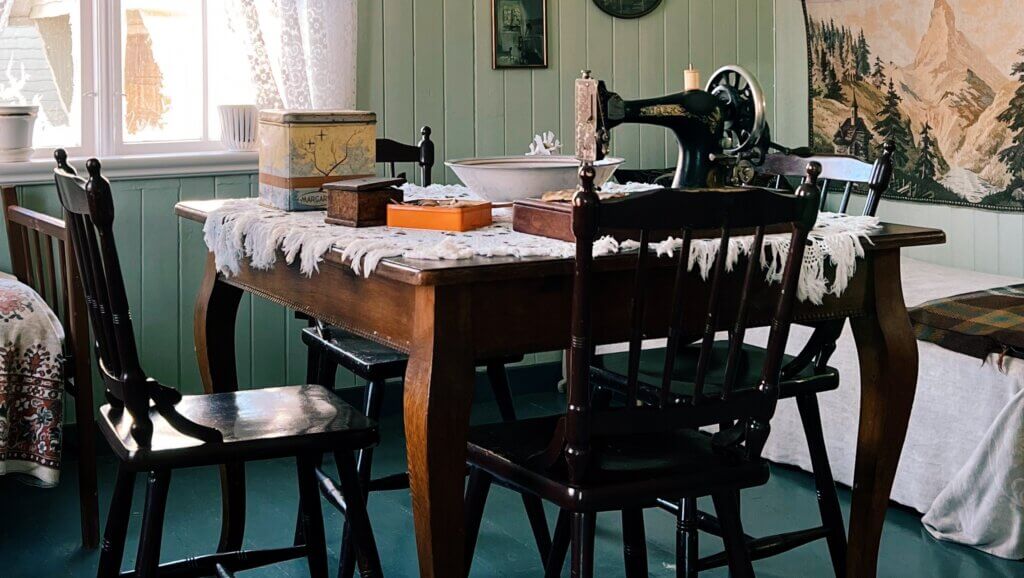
(301,150)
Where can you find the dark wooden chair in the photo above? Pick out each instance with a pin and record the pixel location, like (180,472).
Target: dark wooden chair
(329,347)
(803,377)
(391,152)
(154,429)
(627,457)
(41,258)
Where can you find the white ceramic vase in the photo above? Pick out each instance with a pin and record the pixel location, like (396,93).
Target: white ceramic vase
(238,126)
(16,126)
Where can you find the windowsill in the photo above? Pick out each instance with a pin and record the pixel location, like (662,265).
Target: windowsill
(137,166)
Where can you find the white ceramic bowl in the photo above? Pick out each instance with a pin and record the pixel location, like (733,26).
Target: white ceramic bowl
(503,179)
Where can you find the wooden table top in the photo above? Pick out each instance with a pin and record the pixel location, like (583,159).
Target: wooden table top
(445,272)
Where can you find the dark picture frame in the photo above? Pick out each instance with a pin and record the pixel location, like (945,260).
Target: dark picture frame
(627,8)
(519,34)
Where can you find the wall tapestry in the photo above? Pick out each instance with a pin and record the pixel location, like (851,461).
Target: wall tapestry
(942,79)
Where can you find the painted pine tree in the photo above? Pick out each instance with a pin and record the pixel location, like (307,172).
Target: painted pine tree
(863,52)
(833,89)
(878,73)
(927,164)
(891,126)
(1013,155)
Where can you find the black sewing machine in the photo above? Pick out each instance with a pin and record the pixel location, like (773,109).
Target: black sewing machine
(721,130)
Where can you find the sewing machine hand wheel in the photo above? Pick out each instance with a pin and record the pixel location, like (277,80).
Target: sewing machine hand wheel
(745,121)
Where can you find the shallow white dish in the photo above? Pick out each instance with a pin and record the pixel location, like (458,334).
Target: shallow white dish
(503,179)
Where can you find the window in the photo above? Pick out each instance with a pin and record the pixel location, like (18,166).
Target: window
(146,79)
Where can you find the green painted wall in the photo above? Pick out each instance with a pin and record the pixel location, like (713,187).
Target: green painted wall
(424,62)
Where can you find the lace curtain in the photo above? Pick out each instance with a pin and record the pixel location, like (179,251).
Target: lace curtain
(302,53)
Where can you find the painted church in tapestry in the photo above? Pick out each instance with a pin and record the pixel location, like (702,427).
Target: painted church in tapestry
(943,80)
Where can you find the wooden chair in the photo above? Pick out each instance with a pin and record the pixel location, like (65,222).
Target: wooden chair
(391,152)
(803,378)
(330,347)
(41,258)
(154,429)
(626,458)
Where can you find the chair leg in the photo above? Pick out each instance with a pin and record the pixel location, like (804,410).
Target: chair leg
(634,543)
(477,488)
(687,539)
(311,516)
(732,535)
(373,401)
(361,531)
(559,546)
(327,372)
(583,528)
(112,548)
(148,560)
(498,378)
(313,354)
(828,499)
(88,496)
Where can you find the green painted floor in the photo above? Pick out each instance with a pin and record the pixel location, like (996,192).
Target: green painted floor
(39,528)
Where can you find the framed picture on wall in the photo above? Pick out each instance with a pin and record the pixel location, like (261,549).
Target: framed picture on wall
(519,34)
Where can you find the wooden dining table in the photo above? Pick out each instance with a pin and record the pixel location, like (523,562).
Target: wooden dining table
(447,315)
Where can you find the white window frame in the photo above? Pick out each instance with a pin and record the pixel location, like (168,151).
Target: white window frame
(102,98)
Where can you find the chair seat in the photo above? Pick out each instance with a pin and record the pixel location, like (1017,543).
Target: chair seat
(626,472)
(364,357)
(254,424)
(652,363)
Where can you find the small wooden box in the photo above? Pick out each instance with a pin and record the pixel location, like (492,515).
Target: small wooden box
(362,202)
(472,215)
(301,150)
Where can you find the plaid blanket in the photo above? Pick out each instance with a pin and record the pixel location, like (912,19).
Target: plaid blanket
(975,324)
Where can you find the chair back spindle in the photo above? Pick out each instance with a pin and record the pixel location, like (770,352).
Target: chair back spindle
(727,211)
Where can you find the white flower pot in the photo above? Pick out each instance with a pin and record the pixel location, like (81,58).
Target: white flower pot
(238,127)
(16,126)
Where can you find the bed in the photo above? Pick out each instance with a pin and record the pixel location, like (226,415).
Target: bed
(963,461)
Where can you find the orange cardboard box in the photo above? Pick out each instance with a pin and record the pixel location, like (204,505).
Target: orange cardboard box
(464,218)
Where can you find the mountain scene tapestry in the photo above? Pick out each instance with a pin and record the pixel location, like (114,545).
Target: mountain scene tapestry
(942,79)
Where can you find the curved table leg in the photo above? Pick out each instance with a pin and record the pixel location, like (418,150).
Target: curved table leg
(888,367)
(438,395)
(215,312)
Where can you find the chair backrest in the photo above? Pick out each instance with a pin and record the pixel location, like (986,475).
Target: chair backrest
(685,212)
(42,258)
(391,152)
(838,172)
(89,211)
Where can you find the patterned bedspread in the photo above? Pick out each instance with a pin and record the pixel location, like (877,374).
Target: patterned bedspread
(975,324)
(31,396)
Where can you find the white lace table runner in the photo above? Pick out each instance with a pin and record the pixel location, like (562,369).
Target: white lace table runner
(242,228)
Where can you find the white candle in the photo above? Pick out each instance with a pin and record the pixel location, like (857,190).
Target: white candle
(691,79)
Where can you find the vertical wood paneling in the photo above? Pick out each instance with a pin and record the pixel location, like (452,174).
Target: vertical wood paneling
(157,316)
(191,265)
(545,80)
(652,83)
(1011,244)
(399,75)
(489,88)
(677,58)
(268,322)
(986,242)
(428,56)
(370,89)
(725,37)
(572,58)
(765,50)
(626,65)
(518,98)
(459,109)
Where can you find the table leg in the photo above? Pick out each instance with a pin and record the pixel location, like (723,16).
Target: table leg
(215,312)
(438,396)
(888,367)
